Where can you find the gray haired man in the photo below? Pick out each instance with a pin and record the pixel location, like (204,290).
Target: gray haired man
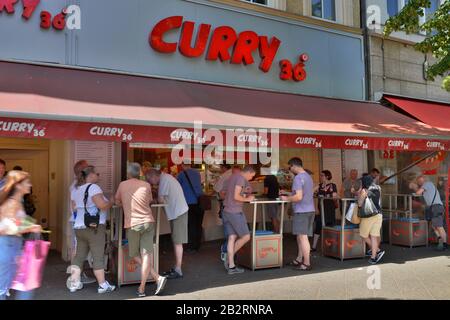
(135,196)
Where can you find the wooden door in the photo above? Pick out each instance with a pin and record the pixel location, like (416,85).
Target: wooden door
(36,163)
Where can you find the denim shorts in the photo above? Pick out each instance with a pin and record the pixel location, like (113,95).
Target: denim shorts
(10,250)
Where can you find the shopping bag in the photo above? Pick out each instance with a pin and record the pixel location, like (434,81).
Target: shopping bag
(352,214)
(31,265)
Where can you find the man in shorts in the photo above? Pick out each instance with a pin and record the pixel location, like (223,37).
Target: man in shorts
(171,193)
(302,199)
(238,191)
(432,197)
(135,196)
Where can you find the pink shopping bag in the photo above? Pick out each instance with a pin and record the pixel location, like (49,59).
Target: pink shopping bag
(31,265)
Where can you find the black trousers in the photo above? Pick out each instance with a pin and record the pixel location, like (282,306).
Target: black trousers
(195,229)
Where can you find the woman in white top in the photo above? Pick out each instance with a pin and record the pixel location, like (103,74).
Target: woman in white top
(90,238)
(13,224)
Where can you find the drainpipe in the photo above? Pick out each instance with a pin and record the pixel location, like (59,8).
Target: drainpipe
(366,37)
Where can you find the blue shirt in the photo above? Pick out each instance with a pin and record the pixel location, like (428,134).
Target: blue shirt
(194,176)
(304,182)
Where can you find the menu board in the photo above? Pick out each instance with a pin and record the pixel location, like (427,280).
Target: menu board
(101,155)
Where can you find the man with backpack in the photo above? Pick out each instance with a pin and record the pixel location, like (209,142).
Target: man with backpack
(434,210)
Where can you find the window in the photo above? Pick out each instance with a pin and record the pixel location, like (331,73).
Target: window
(263,2)
(325,9)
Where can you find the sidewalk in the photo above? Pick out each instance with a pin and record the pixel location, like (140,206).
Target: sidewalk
(418,273)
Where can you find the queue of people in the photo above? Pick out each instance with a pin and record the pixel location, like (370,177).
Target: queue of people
(181,195)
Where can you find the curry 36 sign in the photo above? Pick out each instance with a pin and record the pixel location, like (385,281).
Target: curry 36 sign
(69,17)
(226,45)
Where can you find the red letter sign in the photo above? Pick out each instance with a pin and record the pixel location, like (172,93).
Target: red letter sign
(267,52)
(8,5)
(28,8)
(46,20)
(223,38)
(186,39)
(248,42)
(156,36)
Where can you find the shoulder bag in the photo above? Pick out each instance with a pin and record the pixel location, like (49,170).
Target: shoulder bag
(203,201)
(90,221)
(434,210)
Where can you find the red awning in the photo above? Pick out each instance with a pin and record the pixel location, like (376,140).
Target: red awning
(79,104)
(433,113)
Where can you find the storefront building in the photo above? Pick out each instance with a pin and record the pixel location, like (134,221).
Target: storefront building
(116,82)
(398,80)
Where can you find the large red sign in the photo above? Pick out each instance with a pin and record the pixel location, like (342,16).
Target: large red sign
(225,45)
(68,130)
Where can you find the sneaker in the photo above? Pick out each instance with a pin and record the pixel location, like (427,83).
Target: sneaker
(86,280)
(140,294)
(74,287)
(369,253)
(172,274)
(380,255)
(225,261)
(160,284)
(377,259)
(222,256)
(109,288)
(235,270)
(445,245)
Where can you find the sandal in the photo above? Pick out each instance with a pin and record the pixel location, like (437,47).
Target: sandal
(303,267)
(295,263)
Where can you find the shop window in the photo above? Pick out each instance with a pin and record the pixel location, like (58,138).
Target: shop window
(325,9)
(263,2)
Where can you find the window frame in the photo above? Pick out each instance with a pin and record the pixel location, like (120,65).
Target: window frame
(336,3)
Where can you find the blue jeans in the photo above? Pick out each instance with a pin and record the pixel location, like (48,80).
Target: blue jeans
(10,250)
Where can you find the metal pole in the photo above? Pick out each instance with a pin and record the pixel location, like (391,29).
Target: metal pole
(281,234)
(410,223)
(343,231)
(255,206)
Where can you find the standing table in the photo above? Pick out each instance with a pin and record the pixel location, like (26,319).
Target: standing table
(128,272)
(265,249)
(344,241)
(404,230)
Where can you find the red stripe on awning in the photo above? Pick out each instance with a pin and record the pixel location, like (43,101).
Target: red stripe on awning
(433,113)
(71,130)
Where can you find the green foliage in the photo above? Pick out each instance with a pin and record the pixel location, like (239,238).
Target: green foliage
(437,27)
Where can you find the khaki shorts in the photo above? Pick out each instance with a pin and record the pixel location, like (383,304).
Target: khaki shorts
(371,226)
(179,227)
(141,238)
(94,241)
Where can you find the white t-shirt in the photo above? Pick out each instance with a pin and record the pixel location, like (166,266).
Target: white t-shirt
(77,195)
(176,203)
(71,189)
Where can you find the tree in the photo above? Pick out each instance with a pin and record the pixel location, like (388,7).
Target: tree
(437,28)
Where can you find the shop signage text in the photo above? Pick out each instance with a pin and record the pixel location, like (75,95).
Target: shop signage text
(70,16)
(225,45)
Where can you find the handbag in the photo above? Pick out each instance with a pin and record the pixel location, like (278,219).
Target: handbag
(204,201)
(434,210)
(31,265)
(90,221)
(368,209)
(352,214)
